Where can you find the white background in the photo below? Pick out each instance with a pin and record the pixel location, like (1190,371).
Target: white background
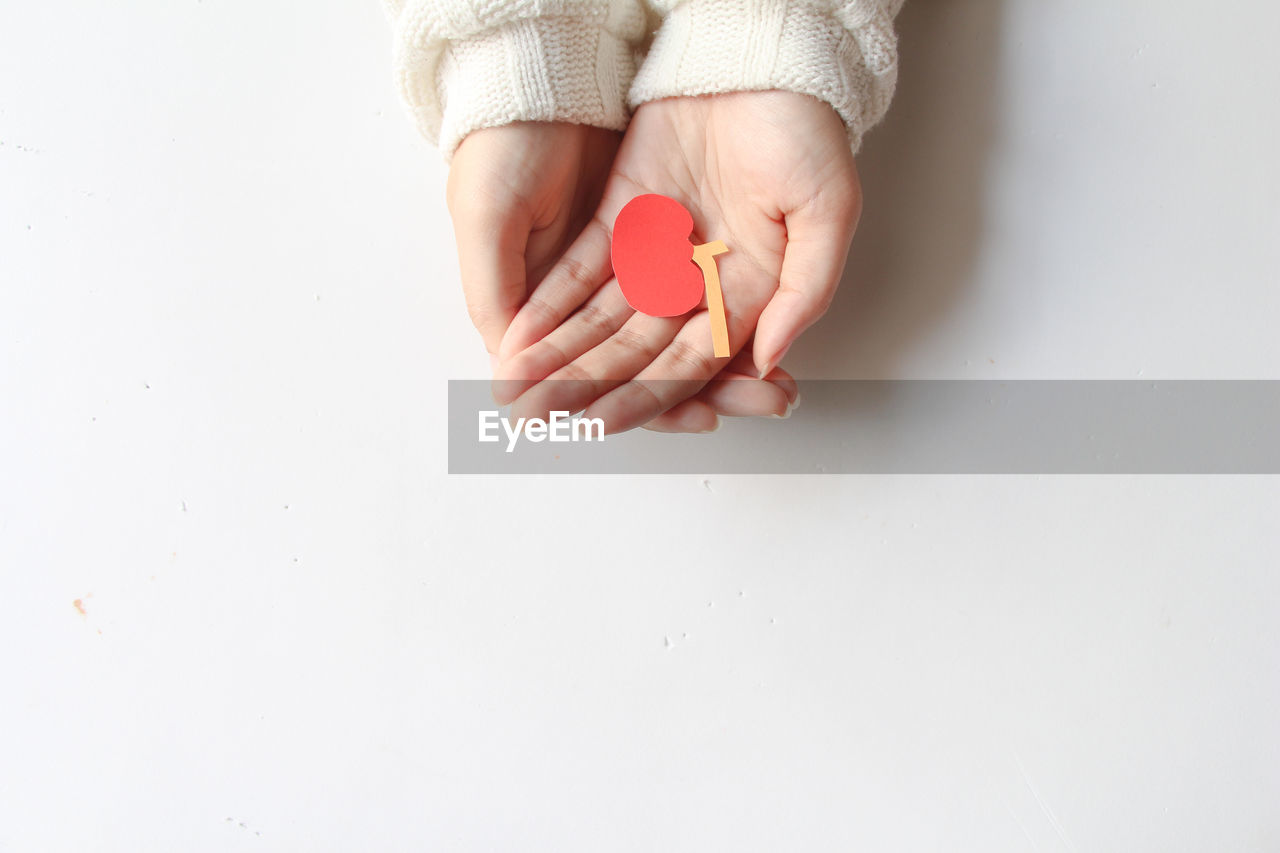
(228,308)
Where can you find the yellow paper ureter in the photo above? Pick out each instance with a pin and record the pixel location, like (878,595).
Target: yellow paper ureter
(705,257)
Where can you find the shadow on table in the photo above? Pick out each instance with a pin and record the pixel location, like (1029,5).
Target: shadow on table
(923,173)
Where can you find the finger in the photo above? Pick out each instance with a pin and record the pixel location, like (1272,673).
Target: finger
(675,374)
(579,273)
(730,394)
(626,353)
(588,327)
(690,416)
(739,396)
(818,238)
(742,367)
(491,260)
(787,383)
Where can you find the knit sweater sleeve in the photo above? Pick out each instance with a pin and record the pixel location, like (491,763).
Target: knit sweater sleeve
(843,52)
(462,65)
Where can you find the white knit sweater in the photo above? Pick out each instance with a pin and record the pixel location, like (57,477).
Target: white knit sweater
(463,65)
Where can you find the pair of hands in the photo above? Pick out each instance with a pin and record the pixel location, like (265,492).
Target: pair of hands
(770,174)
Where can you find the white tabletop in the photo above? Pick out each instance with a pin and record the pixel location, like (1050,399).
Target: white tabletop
(244,606)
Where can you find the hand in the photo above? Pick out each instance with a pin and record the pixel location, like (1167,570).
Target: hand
(768,173)
(519,195)
(734,392)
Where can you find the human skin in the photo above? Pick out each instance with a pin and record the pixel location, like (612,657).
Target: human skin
(520,197)
(772,175)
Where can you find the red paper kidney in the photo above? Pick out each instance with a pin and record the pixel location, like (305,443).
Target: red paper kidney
(653,257)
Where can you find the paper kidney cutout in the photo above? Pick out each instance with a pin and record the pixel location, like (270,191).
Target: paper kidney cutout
(653,257)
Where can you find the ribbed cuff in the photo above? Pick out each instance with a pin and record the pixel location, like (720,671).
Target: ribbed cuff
(545,69)
(846,57)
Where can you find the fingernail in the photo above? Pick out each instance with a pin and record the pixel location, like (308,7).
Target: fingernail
(716,428)
(773,362)
(794,404)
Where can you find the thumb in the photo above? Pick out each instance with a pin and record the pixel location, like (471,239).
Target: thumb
(491,258)
(818,239)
